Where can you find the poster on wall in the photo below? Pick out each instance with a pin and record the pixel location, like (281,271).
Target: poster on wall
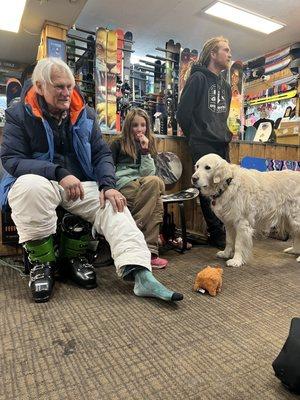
(56,48)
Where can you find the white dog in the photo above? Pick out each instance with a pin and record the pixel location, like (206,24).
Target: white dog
(247,201)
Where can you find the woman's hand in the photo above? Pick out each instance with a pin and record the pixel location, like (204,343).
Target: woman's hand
(144,141)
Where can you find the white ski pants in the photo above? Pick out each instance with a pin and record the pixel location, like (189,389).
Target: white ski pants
(34,199)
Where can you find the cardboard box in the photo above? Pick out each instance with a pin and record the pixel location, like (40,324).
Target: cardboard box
(288,126)
(288,138)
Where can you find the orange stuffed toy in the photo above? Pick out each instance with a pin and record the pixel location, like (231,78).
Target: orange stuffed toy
(209,279)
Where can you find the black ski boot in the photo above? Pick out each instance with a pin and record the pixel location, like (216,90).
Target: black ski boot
(73,246)
(42,258)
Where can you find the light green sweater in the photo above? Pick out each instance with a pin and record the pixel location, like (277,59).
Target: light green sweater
(128,169)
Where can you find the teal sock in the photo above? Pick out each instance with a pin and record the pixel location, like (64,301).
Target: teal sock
(147,286)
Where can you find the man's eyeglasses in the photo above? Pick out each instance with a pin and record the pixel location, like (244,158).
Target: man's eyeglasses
(62,88)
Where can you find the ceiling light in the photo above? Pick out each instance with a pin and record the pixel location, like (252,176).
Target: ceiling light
(11,14)
(243,17)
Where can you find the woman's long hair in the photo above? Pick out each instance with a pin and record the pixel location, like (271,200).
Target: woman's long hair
(128,144)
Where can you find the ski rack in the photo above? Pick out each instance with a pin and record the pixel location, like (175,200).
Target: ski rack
(80,39)
(145,69)
(165,50)
(160,58)
(147,62)
(76,28)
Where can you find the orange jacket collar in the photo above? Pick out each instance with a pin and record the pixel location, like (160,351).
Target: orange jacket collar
(77,104)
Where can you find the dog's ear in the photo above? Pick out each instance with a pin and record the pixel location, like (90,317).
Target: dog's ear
(217,179)
(222,172)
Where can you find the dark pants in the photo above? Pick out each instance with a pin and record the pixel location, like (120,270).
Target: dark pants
(214,225)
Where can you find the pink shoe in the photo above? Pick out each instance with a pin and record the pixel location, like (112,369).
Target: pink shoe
(158,263)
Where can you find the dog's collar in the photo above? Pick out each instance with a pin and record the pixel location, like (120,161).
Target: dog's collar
(220,192)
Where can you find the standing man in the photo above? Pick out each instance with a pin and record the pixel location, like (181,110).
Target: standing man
(55,155)
(202,115)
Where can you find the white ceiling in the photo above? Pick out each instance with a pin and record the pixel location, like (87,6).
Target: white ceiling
(153,22)
(22,46)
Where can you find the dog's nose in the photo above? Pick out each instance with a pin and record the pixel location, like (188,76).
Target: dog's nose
(194,179)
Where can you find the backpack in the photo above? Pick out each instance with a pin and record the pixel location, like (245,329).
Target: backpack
(287,364)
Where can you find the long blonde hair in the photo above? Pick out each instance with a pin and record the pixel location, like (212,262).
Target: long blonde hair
(211,45)
(127,139)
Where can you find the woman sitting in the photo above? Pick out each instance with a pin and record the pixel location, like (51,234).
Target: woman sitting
(133,156)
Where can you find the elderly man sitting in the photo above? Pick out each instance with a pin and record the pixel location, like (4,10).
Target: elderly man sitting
(55,155)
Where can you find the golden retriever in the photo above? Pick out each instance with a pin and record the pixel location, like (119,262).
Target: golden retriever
(249,201)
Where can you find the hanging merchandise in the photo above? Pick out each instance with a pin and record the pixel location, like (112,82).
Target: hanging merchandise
(271,62)
(270,93)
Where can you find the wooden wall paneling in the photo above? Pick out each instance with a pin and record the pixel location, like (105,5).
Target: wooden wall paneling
(245,149)
(270,152)
(258,150)
(281,153)
(234,152)
(292,153)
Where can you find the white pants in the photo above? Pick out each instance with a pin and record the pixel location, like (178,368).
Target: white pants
(34,199)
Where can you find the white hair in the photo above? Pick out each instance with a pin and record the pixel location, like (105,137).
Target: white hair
(44,68)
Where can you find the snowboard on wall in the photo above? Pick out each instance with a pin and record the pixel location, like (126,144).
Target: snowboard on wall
(128,38)
(119,81)
(111,65)
(235,117)
(194,56)
(264,130)
(105,77)
(169,68)
(160,116)
(185,59)
(269,164)
(157,77)
(101,78)
(168,167)
(177,49)
(184,64)
(285,95)
(13,91)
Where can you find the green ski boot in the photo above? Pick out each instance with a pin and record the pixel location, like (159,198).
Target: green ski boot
(42,257)
(73,246)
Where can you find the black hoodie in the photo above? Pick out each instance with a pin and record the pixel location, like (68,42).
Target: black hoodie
(204,107)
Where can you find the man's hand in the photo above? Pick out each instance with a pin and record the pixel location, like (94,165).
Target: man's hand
(116,198)
(72,187)
(144,141)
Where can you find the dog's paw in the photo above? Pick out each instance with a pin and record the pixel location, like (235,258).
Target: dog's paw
(289,250)
(234,262)
(224,254)
(298,259)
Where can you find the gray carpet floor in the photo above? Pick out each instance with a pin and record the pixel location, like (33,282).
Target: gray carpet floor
(109,344)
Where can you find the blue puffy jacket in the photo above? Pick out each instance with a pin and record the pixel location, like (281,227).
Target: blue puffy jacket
(28,145)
